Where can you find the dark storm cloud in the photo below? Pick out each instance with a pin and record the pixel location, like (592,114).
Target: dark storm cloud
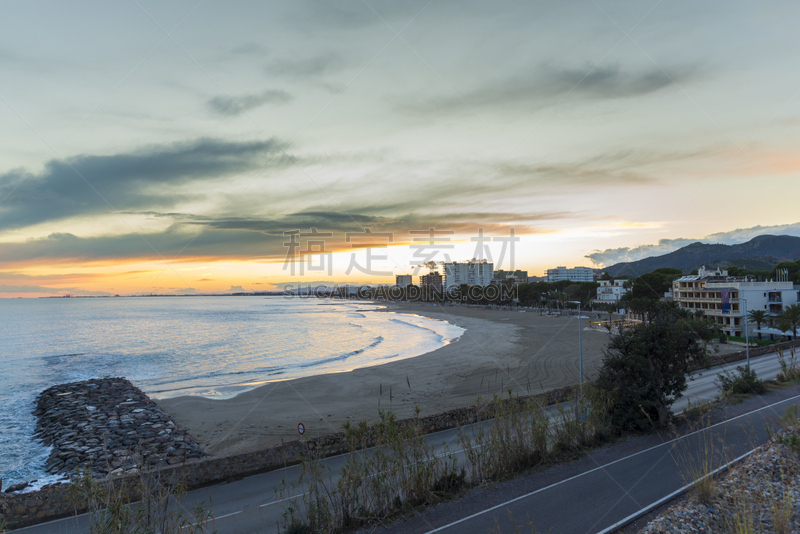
(163,245)
(547,83)
(232,106)
(87,184)
(251,238)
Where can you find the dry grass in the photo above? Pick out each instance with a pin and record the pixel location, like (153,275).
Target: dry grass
(392,469)
(698,463)
(157,505)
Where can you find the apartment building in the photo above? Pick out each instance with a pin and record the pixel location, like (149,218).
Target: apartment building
(611,290)
(473,273)
(728,299)
(433,280)
(576,274)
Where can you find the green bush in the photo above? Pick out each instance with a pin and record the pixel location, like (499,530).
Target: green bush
(744,381)
(753,341)
(644,369)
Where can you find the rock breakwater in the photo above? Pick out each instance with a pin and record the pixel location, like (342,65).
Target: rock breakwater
(109,426)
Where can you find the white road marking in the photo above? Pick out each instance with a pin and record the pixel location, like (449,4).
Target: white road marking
(280,501)
(521,497)
(675,493)
(212,519)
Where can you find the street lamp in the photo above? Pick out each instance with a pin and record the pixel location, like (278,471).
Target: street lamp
(746,335)
(580,342)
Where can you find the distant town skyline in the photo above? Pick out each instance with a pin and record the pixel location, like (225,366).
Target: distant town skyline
(151,148)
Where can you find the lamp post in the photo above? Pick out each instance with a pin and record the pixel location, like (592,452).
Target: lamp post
(746,335)
(580,344)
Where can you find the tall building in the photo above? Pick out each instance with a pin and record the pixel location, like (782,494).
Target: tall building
(473,273)
(729,298)
(576,274)
(433,280)
(404,280)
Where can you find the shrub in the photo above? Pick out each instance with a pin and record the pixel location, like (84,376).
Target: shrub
(744,381)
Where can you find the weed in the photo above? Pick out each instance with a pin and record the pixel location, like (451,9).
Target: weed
(790,372)
(698,462)
(158,508)
(391,468)
(400,471)
(741,520)
(789,418)
(781,513)
(702,409)
(744,381)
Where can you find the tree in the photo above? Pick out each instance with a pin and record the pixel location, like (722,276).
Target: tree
(793,267)
(791,315)
(653,285)
(644,368)
(759,317)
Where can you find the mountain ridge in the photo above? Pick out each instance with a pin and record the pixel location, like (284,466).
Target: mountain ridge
(766,249)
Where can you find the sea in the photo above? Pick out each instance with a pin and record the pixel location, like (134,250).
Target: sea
(213,347)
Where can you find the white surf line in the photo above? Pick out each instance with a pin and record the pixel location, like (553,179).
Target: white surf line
(621,523)
(521,497)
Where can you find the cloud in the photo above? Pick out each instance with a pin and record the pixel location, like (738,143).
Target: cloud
(249,48)
(308,67)
(149,179)
(542,85)
(253,238)
(236,288)
(609,257)
(233,106)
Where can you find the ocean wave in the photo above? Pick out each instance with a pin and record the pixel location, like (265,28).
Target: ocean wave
(377,342)
(259,371)
(393,319)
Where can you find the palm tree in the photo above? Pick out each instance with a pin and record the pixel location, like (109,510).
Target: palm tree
(791,314)
(759,317)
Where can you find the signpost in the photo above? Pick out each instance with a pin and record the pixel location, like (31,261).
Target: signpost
(301,428)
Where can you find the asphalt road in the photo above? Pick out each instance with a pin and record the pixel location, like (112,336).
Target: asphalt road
(587,502)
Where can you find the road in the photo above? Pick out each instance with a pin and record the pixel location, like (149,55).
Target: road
(599,497)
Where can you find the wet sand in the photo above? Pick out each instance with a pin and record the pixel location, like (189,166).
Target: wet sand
(500,349)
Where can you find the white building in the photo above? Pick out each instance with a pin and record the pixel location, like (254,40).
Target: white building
(576,274)
(404,280)
(473,273)
(611,291)
(728,299)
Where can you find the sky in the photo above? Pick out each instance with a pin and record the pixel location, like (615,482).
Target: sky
(198,146)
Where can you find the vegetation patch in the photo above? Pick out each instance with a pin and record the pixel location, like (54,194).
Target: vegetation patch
(742,381)
(403,472)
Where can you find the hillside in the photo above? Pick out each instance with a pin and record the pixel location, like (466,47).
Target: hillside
(764,250)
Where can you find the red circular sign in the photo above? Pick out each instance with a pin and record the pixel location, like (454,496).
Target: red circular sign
(301,428)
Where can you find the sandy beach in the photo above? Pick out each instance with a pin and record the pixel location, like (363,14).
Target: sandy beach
(500,349)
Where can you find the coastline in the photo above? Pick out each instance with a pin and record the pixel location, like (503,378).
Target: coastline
(500,349)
